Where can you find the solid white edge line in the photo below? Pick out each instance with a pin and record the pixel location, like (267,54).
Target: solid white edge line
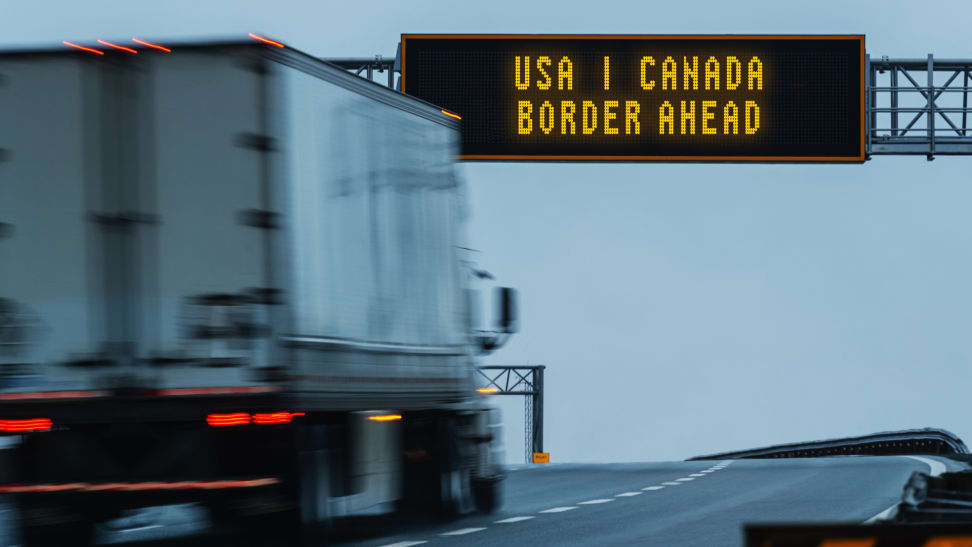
(627,494)
(935,468)
(405,544)
(595,502)
(882,515)
(558,509)
(648,488)
(462,531)
(513,519)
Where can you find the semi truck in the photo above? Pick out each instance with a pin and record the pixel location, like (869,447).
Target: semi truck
(232,273)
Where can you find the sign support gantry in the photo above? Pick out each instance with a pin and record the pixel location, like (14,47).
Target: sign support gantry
(925,92)
(527,381)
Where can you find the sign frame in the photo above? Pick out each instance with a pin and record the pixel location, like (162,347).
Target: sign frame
(860,158)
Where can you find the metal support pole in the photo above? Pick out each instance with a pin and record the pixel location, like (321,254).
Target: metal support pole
(965,101)
(538,409)
(871,97)
(931,107)
(894,101)
(528,429)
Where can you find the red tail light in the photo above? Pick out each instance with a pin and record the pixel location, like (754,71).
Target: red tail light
(275,418)
(243,418)
(32,424)
(235,418)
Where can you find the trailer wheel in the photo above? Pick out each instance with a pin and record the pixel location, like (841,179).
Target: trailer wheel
(454,496)
(488,495)
(450,494)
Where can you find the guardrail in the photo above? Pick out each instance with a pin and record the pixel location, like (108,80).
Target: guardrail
(909,441)
(946,498)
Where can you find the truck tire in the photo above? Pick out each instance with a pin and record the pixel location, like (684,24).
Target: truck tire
(455,485)
(450,494)
(488,495)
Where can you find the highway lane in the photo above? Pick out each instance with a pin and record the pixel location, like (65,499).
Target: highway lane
(670,504)
(622,505)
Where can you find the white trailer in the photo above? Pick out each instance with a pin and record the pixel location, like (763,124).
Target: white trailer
(230,273)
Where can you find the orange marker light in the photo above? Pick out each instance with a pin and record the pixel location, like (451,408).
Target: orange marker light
(151,45)
(385,417)
(116,46)
(22,426)
(451,115)
(487,390)
(82,48)
(265,40)
(222,420)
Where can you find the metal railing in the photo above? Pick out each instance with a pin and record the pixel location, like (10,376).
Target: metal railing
(909,441)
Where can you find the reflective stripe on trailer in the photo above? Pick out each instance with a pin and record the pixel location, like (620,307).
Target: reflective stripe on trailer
(136,486)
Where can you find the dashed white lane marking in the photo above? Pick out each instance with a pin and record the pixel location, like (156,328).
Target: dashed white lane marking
(512,520)
(671,483)
(685,479)
(140,528)
(707,471)
(696,475)
(558,509)
(405,544)
(462,531)
(935,468)
(627,494)
(595,502)
(649,488)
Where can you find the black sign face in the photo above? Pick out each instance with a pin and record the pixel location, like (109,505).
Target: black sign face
(630,98)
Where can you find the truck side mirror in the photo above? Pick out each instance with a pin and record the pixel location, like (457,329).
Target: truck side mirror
(509,320)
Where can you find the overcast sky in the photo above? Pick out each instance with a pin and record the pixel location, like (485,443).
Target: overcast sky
(680,309)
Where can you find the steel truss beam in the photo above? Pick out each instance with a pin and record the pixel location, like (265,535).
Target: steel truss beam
(925,92)
(366,67)
(528,382)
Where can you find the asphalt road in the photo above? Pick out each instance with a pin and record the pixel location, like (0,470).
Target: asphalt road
(622,504)
(670,504)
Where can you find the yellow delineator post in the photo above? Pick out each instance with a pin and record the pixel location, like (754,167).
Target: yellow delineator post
(541,457)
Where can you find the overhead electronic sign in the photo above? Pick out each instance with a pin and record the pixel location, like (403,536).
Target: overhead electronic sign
(632,98)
